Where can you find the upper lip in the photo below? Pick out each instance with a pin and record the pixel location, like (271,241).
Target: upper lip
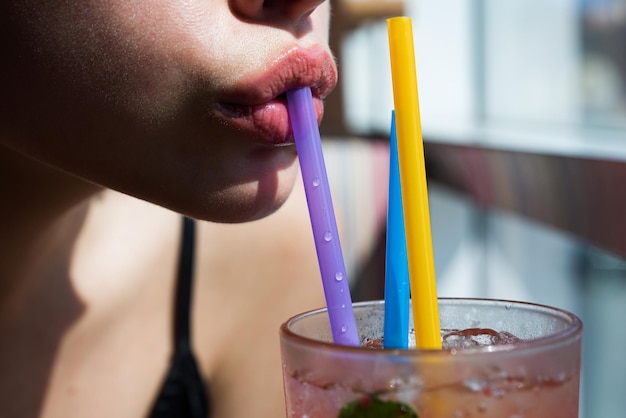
(298,67)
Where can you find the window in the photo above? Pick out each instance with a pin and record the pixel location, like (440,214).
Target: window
(507,74)
(523,108)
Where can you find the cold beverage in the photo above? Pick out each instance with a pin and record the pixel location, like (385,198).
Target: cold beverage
(501,359)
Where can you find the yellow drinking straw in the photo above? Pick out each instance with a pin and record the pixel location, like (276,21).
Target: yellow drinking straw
(413,180)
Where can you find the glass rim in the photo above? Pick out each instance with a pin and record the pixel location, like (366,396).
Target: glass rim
(571,332)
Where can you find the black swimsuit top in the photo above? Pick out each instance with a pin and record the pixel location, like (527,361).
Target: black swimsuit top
(183,394)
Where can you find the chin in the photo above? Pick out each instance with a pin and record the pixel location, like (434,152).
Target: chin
(249,201)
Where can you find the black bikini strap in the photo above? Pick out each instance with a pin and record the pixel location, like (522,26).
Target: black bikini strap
(182,317)
(183,393)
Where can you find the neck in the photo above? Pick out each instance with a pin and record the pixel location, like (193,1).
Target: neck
(40,216)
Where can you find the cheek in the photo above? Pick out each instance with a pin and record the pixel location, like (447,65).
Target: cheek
(92,61)
(139,61)
(129,57)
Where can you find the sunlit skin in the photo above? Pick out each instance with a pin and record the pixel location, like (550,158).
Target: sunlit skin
(116,117)
(137,83)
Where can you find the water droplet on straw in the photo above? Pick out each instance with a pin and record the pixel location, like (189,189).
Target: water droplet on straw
(344,328)
(328,236)
(316,181)
(339,276)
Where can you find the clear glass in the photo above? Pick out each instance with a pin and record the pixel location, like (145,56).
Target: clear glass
(536,378)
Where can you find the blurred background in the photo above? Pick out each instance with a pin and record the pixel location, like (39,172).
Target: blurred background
(523,108)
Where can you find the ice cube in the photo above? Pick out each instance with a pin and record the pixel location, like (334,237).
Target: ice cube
(476,337)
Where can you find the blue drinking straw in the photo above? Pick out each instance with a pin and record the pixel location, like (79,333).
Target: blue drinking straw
(397,287)
(309,146)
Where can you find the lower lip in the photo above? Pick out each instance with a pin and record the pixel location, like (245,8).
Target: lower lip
(267,123)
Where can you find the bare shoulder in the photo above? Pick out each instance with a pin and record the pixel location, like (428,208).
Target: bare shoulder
(89,323)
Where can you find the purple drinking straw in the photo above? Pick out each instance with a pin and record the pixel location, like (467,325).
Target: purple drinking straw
(329,256)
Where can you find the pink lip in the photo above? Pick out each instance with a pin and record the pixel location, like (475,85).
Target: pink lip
(257,105)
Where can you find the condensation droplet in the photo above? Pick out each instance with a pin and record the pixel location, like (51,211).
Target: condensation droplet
(343,306)
(344,328)
(328,236)
(316,181)
(339,276)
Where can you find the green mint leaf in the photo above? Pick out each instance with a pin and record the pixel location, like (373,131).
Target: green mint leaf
(371,407)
